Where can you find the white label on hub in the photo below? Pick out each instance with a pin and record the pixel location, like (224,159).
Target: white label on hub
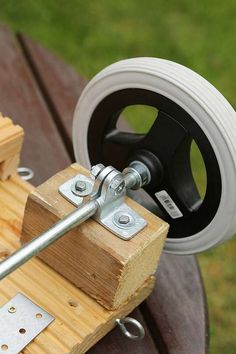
(169,205)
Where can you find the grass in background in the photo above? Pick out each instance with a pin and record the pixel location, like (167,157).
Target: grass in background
(201,35)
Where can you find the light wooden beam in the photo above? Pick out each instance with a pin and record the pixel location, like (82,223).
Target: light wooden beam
(11,139)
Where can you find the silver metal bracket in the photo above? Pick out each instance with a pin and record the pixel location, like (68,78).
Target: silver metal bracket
(108,187)
(20,322)
(70,189)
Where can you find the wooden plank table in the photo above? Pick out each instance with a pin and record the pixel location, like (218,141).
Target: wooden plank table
(39,92)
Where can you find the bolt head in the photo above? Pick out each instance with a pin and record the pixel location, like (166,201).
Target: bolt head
(96,169)
(124,219)
(80,186)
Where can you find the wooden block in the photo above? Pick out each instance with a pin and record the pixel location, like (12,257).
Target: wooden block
(107,268)
(79,320)
(11,139)
(9,167)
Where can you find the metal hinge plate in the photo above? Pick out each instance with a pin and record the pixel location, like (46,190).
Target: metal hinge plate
(20,322)
(68,190)
(127,228)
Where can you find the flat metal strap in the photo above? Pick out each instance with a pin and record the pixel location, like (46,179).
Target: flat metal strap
(128,231)
(67,188)
(20,322)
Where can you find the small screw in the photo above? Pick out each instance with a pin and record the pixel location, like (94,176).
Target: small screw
(12,309)
(124,219)
(80,186)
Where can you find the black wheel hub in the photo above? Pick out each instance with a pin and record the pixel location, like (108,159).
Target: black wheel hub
(165,149)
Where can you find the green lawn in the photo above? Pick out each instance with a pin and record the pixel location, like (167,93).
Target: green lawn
(199,34)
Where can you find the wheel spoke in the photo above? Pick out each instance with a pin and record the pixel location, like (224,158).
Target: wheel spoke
(118,146)
(165,136)
(118,137)
(172,143)
(179,224)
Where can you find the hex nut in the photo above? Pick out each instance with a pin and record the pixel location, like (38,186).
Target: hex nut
(80,186)
(124,219)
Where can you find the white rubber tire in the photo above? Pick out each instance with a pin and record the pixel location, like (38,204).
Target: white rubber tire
(206,106)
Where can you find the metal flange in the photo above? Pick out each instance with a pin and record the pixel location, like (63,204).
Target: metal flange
(108,187)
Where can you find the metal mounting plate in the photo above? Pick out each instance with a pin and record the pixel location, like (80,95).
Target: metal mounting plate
(67,188)
(125,231)
(20,322)
(109,215)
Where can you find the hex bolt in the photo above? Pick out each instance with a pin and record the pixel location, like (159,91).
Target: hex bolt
(80,186)
(124,219)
